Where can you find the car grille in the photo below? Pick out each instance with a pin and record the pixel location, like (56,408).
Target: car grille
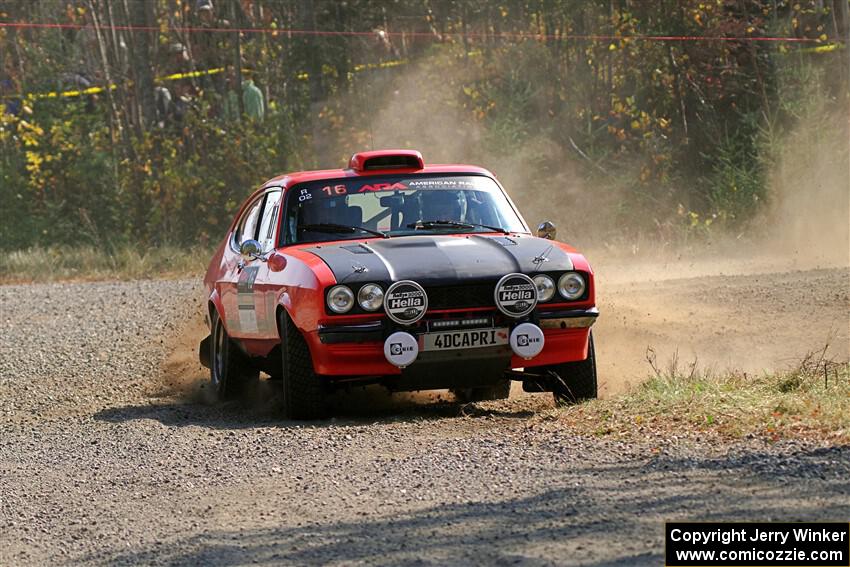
(461,296)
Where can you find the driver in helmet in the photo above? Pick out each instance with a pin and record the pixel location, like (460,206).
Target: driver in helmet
(440,205)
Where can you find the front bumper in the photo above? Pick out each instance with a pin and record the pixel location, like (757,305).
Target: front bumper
(357,349)
(569,319)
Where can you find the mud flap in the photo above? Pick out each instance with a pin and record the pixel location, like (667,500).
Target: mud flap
(532,381)
(204,352)
(535,385)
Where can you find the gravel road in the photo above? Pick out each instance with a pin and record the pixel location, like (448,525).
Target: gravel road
(110,455)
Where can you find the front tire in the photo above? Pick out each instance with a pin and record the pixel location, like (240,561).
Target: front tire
(304,395)
(230,371)
(575,381)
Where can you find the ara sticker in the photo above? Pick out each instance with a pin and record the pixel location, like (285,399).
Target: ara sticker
(382,187)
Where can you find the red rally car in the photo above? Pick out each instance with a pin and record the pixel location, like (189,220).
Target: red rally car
(393,272)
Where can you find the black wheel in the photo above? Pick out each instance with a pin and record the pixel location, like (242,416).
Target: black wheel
(499,391)
(573,382)
(304,395)
(230,371)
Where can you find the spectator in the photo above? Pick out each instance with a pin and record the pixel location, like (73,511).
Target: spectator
(184,102)
(9,97)
(163,100)
(178,58)
(73,81)
(78,81)
(210,46)
(252,100)
(230,109)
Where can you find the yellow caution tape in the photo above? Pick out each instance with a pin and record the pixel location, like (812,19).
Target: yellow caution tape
(190,74)
(88,91)
(194,74)
(823,48)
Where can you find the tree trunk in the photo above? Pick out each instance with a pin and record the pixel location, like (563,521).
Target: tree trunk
(843,19)
(107,73)
(237,56)
(679,91)
(142,14)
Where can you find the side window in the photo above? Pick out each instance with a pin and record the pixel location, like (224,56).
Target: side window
(247,228)
(288,229)
(269,221)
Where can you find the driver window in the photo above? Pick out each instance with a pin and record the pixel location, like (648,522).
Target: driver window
(247,229)
(269,222)
(479,210)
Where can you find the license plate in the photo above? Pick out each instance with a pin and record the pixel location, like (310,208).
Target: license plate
(471,338)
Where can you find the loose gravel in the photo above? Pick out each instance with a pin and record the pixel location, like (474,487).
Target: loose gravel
(102,463)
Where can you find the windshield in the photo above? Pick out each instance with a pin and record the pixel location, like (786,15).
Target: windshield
(396,206)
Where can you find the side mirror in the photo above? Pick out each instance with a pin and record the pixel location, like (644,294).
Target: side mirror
(250,249)
(546,230)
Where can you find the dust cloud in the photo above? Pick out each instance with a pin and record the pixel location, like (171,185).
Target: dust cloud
(183,379)
(721,302)
(807,216)
(422,110)
(181,375)
(811,189)
(752,304)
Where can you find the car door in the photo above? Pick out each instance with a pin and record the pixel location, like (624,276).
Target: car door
(264,290)
(237,285)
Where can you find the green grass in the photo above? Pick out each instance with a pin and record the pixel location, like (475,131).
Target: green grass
(88,263)
(810,401)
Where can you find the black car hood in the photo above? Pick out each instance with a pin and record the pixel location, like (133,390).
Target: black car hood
(436,260)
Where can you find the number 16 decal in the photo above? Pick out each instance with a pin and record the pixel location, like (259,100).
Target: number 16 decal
(335,190)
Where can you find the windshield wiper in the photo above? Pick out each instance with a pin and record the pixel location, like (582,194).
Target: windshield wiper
(426,224)
(332,228)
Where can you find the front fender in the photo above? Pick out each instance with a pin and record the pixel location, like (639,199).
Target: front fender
(215,309)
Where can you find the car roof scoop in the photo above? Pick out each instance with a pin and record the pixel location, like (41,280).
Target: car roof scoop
(381,160)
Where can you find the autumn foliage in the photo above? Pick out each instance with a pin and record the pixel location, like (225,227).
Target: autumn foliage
(679,133)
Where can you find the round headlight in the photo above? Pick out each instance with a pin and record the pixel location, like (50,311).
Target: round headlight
(545,287)
(571,286)
(370,297)
(340,299)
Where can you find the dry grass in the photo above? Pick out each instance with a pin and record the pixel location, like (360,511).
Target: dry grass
(811,400)
(87,263)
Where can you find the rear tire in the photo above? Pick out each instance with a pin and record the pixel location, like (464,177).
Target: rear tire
(575,381)
(499,391)
(304,394)
(230,370)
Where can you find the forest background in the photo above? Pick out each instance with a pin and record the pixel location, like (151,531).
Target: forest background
(627,122)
